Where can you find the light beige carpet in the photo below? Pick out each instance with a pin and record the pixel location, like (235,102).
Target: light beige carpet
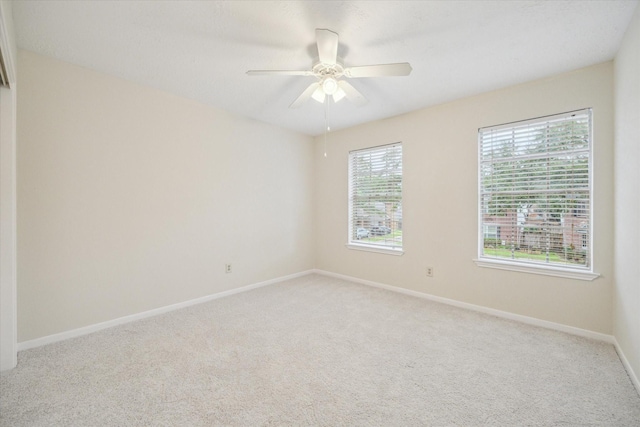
(320,351)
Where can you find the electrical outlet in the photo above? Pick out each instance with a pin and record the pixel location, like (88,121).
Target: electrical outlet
(227,268)
(429,271)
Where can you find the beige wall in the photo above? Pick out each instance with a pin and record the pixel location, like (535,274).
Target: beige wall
(627,196)
(440,202)
(131,199)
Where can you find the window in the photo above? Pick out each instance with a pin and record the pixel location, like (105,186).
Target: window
(535,193)
(375,198)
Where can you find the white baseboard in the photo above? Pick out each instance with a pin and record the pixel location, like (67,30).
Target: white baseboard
(627,365)
(49,339)
(498,313)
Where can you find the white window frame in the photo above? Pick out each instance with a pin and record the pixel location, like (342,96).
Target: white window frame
(387,248)
(528,266)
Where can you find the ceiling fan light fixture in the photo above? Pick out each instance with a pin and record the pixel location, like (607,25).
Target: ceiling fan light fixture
(329,85)
(319,94)
(338,95)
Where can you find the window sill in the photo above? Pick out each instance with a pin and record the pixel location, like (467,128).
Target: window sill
(567,273)
(377,249)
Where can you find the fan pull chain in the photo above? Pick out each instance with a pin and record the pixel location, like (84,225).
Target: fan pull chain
(326,121)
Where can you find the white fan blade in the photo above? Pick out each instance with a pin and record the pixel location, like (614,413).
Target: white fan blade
(352,93)
(305,95)
(382,70)
(280,72)
(327,46)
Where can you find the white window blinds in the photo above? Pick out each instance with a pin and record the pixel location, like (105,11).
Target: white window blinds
(375,196)
(535,191)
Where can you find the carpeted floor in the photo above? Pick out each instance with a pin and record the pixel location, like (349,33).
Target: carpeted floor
(320,351)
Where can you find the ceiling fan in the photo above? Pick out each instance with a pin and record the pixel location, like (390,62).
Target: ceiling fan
(329,70)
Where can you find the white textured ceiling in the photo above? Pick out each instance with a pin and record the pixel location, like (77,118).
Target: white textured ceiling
(202,49)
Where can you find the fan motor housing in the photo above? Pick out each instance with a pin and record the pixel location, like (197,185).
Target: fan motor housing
(328,70)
